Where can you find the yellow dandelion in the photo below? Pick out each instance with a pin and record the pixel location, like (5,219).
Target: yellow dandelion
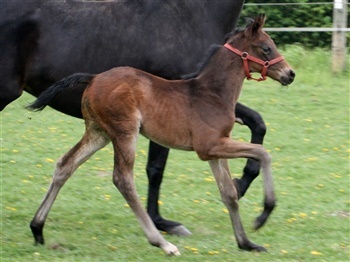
(160,202)
(49,160)
(302,215)
(15,151)
(126,205)
(225,210)
(316,253)
(196,201)
(111,247)
(284,251)
(336,175)
(311,159)
(143,152)
(11,208)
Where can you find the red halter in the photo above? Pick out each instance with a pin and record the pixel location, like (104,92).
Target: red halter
(246,57)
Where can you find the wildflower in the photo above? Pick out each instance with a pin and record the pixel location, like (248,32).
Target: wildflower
(316,253)
(209,179)
(302,215)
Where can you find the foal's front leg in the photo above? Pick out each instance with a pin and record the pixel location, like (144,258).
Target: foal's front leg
(229,196)
(227,148)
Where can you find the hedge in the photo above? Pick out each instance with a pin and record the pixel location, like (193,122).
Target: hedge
(300,15)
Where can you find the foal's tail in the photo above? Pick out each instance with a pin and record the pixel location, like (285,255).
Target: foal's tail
(68,82)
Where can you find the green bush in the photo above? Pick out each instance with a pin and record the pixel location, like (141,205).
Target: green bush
(301,15)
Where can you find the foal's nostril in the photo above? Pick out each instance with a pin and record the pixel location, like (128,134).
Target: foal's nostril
(292,74)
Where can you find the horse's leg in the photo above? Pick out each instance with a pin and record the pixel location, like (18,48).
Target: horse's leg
(157,157)
(230,198)
(227,148)
(66,165)
(123,179)
(256,124)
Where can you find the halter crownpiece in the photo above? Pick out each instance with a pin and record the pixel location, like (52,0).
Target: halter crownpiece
(246,57)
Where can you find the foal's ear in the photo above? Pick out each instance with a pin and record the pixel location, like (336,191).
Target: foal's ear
(257,24)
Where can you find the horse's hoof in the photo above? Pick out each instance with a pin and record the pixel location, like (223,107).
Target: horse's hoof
(252,247)
(179,231)
(259,248)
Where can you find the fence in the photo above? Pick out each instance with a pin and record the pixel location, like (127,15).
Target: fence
(338,30)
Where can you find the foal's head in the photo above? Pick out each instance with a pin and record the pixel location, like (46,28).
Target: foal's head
(260,52)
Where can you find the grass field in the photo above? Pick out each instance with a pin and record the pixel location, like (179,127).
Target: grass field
(308,137)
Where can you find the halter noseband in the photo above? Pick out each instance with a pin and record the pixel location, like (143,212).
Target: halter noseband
(246,57)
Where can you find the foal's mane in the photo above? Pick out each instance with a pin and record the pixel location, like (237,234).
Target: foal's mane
(214,48)
(210,52)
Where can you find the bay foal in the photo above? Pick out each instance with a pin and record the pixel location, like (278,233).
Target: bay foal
(193,115)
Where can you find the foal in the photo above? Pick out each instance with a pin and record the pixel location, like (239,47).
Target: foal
(193,115)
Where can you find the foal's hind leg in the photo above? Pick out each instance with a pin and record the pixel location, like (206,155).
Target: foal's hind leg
(124,149)
(91,142)
(230,198)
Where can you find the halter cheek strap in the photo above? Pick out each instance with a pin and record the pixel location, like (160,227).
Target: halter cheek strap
(246,57)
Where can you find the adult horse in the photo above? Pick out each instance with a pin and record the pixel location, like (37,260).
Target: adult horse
(43,41)
(120,103)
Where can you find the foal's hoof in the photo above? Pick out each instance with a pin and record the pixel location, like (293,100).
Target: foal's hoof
(170,249)
(179,231)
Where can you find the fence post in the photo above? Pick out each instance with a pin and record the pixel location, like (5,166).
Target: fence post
(339,36)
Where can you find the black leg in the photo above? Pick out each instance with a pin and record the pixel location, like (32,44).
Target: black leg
(157,157)
(256,124)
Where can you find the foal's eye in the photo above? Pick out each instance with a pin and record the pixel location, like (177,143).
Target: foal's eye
(266,49)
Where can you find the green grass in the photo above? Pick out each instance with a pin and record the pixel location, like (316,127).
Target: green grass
(308,137)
